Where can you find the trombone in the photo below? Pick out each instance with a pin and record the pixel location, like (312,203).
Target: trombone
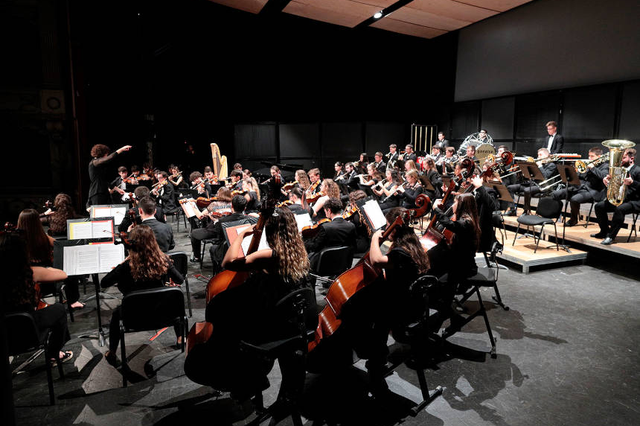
(550,184)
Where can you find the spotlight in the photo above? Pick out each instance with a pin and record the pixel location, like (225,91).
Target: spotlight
(377,15)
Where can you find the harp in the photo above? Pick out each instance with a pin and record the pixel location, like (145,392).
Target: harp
(219,162)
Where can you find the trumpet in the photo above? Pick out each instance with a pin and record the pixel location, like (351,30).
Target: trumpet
(581,166)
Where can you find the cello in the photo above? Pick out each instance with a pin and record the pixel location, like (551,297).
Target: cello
(227,279)
(353,280)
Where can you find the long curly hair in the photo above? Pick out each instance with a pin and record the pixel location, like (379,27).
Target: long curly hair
(283,238)
(146,260)
(38,245)
(332,188)
(17,277)
(303,179)
(63,210)
(405,237)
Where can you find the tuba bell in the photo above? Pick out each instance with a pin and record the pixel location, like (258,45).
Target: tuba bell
(617,190)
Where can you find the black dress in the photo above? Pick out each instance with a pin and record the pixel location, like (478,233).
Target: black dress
(98,175)
(243,313)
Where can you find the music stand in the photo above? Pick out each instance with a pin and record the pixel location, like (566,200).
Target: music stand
(501,190)
(569,177)
(426,183)
(530,171)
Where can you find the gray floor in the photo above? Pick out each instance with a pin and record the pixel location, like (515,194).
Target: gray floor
(567,355)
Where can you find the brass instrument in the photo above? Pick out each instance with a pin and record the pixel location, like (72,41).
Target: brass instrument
(549,159)
(581,166)
(550,184)
(617,190)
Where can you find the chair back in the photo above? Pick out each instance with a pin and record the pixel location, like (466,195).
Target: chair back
(152,309)
(180,261)
(496,219)
(334,261)
(549,208)
(22,333)
(299,308)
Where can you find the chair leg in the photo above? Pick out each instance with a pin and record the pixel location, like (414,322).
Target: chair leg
(47,361)
(427,397)
(515,237)
(123,354)
(186,283)
(483,312)
(633,227)
(539,237)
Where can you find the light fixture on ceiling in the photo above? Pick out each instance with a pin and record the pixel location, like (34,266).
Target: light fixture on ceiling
(377,15)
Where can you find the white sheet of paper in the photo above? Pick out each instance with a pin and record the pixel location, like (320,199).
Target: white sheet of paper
(111,255)
(80,230)
(303,219)
(375,215)
(102,229)
(246,242)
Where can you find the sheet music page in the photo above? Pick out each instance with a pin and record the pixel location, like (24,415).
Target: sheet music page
(303,219)
(189,208)
(81,260)
(246,242)
(100,212)
(118,214)
(102,229)
(374,213)
(80,230)
(110,256)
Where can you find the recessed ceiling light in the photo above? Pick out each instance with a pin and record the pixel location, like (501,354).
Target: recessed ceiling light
(378,15)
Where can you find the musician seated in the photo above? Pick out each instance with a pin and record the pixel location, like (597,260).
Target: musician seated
(175,177)
(392,156)
(295,197)
(351,178)
(389,192)
(162,231)
(631,203)
(164,193)
(409,154)
(213,229)
(436,154)
(329,189)
(547,168)
(118,187)
(371,178)
(200,184)
(146,267)
(236,180)
(315,181)
(209,176)
(386,303)
(411,189)
(140,193)
(431,174)
(251,193)
(362,230)
(336,233)
(450,157)
(591,186)
(56,217)
(379,163)
(339,171)
(247,312)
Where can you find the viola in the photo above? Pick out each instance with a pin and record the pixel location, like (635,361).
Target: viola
(203,202)
(284,203)
(349,283)
(315,197)
(349,212)
(311,231)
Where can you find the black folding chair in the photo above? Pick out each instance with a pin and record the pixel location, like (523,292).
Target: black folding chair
(332,262)
(23,336)
(547,213)
(181,262)
(151,309)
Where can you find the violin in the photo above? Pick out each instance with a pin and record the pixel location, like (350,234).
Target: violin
(312,188)
(311,231)
(349,212)
(289,186)
(284,203)
(348,284)
(203,202)
(315,197)
(239,192)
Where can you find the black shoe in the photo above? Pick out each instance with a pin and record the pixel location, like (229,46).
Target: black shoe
(194,259)
(570,223)
(510,212)
(607,241)
(599,235)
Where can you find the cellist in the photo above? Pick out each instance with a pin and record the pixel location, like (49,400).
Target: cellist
(243,312)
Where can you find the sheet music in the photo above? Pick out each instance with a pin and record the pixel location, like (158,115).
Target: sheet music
(83,229)
(91,259)
(375,215)
(80,230)
(117,212)
(246,242)
(190,208)
(102,229)
(303,219)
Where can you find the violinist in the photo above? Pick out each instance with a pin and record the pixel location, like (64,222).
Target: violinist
(410,190)
(19,292)
(40,251)
(135,175)
(328,189)
(316,181)
(146,267)
(139,193)
(164,193)
(295,196)
(461,264)
(246,312)
(209,177)
(57,216)
(99,186)
(303,180)
(147,175)
(162,231)
(118,187)
(197,182)
(547,168)
(336,233)
(235,183)
(175,178)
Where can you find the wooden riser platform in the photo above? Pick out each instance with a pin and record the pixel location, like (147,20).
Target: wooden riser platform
(579,236)
(546,256)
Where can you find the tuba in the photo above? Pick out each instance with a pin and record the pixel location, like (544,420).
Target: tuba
(617,189)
